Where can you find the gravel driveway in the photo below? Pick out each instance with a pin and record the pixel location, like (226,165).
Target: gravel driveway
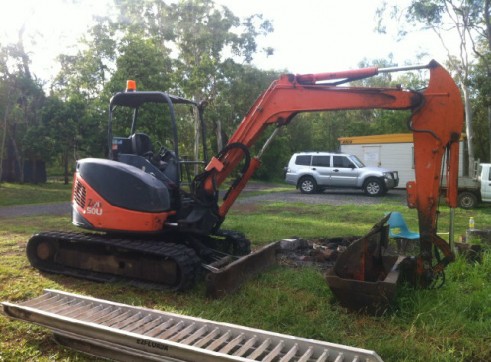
(328,197)
(57,208)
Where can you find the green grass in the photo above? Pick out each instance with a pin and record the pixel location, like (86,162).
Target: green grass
(452,323)
(22,194)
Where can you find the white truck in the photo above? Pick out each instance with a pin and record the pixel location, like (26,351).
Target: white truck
(477,189)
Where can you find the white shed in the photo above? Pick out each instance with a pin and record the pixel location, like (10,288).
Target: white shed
(392,151)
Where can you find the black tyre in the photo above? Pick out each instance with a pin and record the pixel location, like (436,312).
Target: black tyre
(307,185)
(467,200)
(374,187)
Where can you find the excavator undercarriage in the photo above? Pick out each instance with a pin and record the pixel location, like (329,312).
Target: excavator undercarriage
(102,258)
(151,264)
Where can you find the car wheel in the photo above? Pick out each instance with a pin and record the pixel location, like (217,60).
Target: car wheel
(374,187)
(307,185)
(467,200)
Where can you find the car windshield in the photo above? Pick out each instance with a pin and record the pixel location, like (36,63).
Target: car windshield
(356,161)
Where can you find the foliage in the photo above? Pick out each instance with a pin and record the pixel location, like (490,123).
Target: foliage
(210,40)
(21,101)
(466,21)
(481,81)
(189,48)
(198,50)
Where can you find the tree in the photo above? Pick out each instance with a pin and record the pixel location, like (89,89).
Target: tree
(189,48)
(81,92)
(5,104)
(61,122)
(484,55)
(481,82)
(464,19)
(208,39)
(23,97)
(234,99)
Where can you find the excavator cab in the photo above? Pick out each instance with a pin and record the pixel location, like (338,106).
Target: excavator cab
(138,144)
(137,182)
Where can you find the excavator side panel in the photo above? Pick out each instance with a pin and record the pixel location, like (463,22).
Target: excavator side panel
(113,196)
(92,211)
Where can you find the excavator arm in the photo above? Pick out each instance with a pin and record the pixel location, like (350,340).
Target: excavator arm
(436,123)
(436,127)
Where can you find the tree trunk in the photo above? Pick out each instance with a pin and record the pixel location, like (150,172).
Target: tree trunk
(219,135)
(489,130)
(65,167)
(197,138)
(469,129)
(18,158)
(34,171)
(4,136)
(487,21)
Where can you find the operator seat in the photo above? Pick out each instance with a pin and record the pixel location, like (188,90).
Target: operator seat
(141,145)
(170,165)
(166,165)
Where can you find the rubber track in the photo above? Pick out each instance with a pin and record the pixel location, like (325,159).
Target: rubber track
(186,259)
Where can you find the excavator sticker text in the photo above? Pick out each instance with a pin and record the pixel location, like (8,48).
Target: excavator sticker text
(94,208)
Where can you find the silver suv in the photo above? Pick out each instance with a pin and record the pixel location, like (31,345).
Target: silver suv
(313,172)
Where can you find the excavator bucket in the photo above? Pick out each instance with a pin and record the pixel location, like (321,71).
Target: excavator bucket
(229,278)
(363,278)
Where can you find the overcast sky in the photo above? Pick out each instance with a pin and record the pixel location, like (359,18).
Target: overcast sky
(310,36)
(323,35)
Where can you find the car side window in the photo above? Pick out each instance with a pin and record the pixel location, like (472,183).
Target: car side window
(303,160)
(342,161)
(321,161)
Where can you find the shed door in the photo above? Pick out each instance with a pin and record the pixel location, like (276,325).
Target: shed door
(371,156)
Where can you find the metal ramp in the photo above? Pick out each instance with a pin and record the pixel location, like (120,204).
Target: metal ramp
(125,333)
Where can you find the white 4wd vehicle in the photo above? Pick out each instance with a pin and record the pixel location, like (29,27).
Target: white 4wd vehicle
(313,172)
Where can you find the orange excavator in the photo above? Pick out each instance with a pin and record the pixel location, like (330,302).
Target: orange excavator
(148,226)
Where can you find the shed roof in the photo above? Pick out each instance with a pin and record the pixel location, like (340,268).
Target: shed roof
(381,138)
